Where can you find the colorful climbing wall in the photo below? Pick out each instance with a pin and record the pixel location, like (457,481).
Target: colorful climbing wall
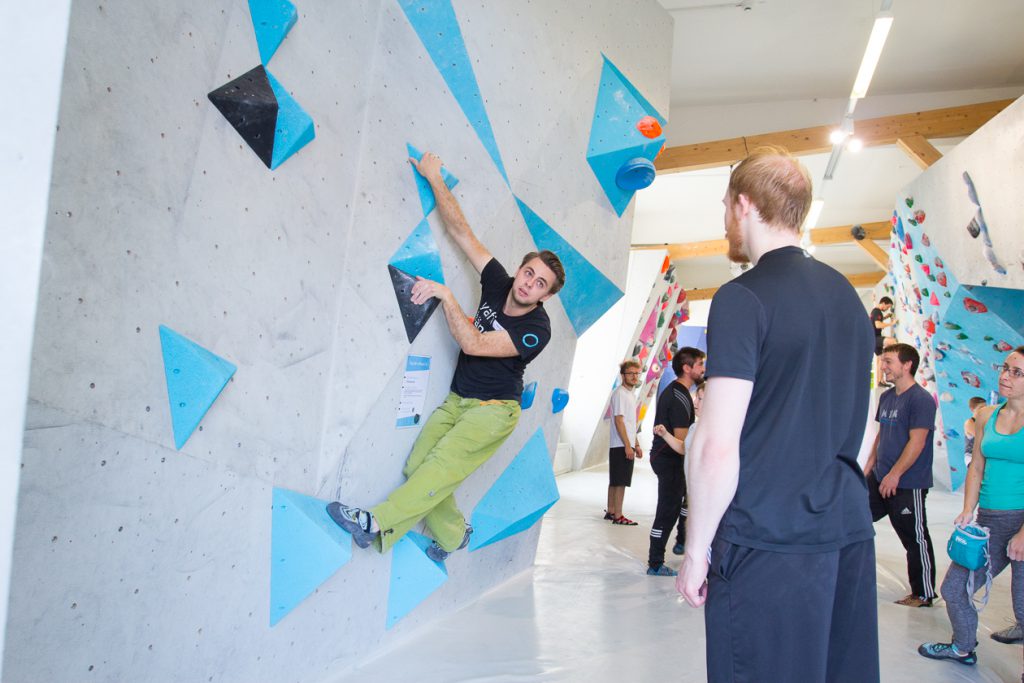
(665,310)
(238,175)
(958,272)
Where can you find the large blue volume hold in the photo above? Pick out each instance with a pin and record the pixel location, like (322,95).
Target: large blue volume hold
(520,496)
(438,29)
(614,135)
(271,20)
(587,293)
(414,576)
(306,549)
(195,378)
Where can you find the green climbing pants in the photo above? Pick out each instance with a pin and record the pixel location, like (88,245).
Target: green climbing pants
(461,435)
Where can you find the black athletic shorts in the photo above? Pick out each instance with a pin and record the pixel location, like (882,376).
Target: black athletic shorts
(620,468)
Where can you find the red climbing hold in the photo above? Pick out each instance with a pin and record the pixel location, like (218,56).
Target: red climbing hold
(934,300)
(649,127)
(973,306)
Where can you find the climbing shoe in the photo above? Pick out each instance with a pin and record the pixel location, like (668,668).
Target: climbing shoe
(439,554)
(357,522)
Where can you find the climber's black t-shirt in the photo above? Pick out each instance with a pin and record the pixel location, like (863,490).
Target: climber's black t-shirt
(500,378)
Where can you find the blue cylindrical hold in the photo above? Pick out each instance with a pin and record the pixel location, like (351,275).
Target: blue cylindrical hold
(635,174)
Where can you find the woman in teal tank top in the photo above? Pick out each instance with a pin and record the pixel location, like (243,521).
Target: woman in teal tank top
(995,485)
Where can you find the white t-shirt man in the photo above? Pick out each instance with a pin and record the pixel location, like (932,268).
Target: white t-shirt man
(624,404)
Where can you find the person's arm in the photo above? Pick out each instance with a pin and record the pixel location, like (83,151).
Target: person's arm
(975,471)
(673,442)
(712,472)
(620,427)
(429,166)
(915,444)
(870,464)
(471,340)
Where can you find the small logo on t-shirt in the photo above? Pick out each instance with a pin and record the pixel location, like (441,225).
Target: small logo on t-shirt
(530,340)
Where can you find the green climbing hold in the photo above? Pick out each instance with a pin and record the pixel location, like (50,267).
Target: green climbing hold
(917,257)
(951,326)
(910,202)
(962,336)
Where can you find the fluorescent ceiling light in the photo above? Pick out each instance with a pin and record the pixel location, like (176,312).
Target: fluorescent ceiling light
(812,216)
(879,33)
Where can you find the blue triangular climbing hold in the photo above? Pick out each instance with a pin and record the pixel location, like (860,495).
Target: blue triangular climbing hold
(519,497)
(271,20)
(306,549)
(438,29)
(587,293)
(427,199)
(294,129)
(419,256)
(618,109)
(414,576)
(195,378)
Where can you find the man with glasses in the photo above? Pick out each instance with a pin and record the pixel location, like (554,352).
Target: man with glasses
(623,444)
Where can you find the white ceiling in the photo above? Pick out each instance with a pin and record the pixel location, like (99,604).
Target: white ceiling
(787,64)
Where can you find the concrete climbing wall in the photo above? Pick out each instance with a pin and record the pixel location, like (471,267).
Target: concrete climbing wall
(137,560)
(957,254)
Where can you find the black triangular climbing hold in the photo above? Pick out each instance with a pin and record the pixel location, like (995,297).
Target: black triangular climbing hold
(414,317)
(248,103)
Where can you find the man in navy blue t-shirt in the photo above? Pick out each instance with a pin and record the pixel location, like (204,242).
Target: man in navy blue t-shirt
(776,497)
(509,330)
(900,467)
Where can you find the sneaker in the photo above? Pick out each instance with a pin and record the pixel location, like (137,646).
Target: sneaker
(1010,635)
(946,651)
(678,549)
(914,601)
(355,521)
(625,521)
(661,570)
(439,554)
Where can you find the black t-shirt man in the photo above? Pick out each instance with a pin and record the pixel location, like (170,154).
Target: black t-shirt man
(796,329)
(675,411)
(491,379)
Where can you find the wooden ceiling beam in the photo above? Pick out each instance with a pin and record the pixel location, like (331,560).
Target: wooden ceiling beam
(684,250)
(877,254)
(886,130)
(921,152)
(858,280)
(840,234)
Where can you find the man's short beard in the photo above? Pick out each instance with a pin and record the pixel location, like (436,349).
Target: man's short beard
(735,253)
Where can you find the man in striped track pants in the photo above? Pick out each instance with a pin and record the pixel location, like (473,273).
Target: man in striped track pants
(899,470)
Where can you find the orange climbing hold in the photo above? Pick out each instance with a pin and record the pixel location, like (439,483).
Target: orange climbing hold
(649,127)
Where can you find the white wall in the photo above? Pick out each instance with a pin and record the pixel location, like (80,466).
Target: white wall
(32,39)
(598,354)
